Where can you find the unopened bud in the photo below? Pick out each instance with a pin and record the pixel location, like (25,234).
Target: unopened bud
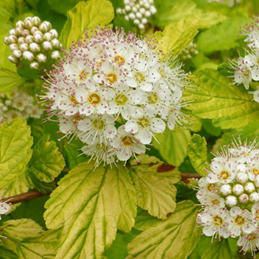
(34,65)
(54,33)
(34,29)
(225,189)
(231,201)
(243,198)
(41,58)
(18,31)
(36,21)
(17,53)
(238,189)
(27,55)
(242,177)
(152,9)
(55,54)
(147,13)
(6,40)
(46,45)
(12,32)
(55,43)
(144,20)
(25,32)
(27,23)
(13,46)
(47,36)
(12,39)
(21,40)
(254,197)
(29,39)
(34,47)
(249,187)
(136,21)
(44,27)
(141,26)
(24,47)
(20,24)
(13,59)
(38,37)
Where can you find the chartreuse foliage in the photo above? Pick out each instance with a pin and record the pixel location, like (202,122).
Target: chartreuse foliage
(85,15)
(216,98)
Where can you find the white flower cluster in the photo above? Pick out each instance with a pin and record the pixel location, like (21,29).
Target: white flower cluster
(113,92)
(34,41)
(138,11)
(246,68)
(230,195)
(20,104)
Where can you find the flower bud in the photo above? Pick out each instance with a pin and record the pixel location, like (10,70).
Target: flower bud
(27,23)
(141,26)
(34,47)
(45,26)
(21,40)
(20,24)
(27,55)
(144,20)
(47,36)
(29,39)
(238,189)
(142,10)
(54,33)
(152,9)
(138,15)
(18,31)
(6,40)
(136,21)
(243,198)
(147,13)
(41,58)
(46,45)
(55,43)
(127,8)
(231,201)
(36,21)
(55,54)
(24,46)
(242,177)
(34,29)
(12,32)
(132,16)
(13,59)
(38,37)
(13,47)
(225,189)
(254,197)
(17,53)
(12,39)
(249,187)
(25,32)
(34,65)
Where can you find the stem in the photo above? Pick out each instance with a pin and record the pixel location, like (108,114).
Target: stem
(36,194)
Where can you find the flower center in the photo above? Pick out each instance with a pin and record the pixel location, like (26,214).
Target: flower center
(162,72)
(153,98)
(215,202)
(224,175)
(143,122)
(82,75)
(217,221)
(127,141)
(73,100)
(140,77)
(252,237)
(119,60)
(239,220)
(121,99)
(211,187)
(77,118)
(94,99)
(111,77)
(255,171)
(257,214)
(99,124)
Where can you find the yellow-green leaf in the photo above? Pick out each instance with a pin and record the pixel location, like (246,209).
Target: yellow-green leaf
(172,145)
(230,106)
(85,15)
(155,189)
(197,152)
(174,238)
(90,204)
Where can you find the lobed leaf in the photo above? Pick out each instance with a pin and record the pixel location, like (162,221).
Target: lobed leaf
(230,106)
(175,237)
(61,6)
(155,189)
(85,15)
(197,152)
(90,204)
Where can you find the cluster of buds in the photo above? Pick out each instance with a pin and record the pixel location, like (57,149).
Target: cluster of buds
(189,52)
(230,195)
(138,11)
(246,69)
(114,92)
(20,104)
(34,41)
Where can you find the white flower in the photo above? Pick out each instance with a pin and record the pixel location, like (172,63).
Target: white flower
(4,208)
(249,242)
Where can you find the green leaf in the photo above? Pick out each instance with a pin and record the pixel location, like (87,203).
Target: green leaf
(7,10)
(218,250)
(85,15)
(46,163)
(155,189)
(90,204)
(15,153)
(7,254)
(177,35)
(210,128)
(230,106)
(175,237)
(61,6)
(197,152)
(172,145)
(222,36)
(9,80)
